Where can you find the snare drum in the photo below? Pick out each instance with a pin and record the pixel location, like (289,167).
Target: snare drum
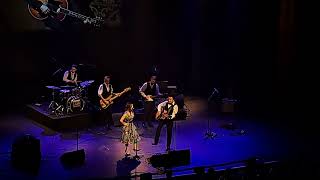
(64,94)
(75,104)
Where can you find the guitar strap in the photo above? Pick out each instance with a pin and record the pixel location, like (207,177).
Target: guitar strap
(54,5)
(169,110)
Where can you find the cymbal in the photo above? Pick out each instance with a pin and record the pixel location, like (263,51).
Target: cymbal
(53,87)
(64,90)
(67,86)
(86,83)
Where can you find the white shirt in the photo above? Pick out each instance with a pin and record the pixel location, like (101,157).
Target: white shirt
(144,87)
(65,76)
(109,89)
(175,108)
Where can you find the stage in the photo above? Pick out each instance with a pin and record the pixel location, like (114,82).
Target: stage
(89,117)
(71,121)
(104,154)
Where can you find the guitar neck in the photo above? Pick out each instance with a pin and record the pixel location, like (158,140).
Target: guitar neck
(73,14)
(111,99)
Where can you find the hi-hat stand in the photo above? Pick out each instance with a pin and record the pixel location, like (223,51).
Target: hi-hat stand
(53,104)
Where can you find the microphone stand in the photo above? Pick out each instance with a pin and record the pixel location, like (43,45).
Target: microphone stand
(210,134)
(57,71)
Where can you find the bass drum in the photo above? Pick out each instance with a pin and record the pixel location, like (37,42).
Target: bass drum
(75,104)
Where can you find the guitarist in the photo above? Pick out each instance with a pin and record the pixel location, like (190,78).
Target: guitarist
(148,90)
(105,92)
(51,23)
(38,5)
(166,113)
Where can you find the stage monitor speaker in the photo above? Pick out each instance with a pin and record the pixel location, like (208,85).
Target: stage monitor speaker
(74,158)
(172,159)
(26,151)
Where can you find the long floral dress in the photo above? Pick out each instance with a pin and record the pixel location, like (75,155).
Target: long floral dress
(130,134)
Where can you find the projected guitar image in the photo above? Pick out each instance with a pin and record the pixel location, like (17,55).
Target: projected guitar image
(58,9)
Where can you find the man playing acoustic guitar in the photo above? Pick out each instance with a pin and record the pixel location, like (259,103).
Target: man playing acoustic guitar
(166,113)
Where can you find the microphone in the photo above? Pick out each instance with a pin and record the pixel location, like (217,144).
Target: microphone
(214,91)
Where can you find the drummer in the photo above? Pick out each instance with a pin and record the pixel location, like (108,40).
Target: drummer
(70,77)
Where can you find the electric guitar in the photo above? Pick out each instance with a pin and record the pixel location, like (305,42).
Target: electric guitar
(105,103)
(152,98)
(59,10)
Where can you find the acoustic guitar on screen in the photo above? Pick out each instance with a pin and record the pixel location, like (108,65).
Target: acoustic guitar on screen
(59,10)
(163,115)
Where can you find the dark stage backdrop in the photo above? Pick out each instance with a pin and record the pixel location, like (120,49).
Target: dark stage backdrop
(236,46)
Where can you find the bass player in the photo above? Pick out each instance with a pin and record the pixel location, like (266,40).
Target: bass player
(105,92)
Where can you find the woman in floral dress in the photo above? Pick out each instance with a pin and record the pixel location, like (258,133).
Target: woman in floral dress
(129,130)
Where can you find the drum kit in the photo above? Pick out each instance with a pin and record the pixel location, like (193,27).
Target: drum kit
(69,99)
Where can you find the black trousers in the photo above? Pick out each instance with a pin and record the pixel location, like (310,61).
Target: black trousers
(149,107)
(169,124)
(107,116)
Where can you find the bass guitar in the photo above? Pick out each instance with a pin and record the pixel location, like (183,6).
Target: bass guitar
(105,103)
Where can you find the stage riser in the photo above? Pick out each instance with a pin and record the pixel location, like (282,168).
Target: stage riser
(75,120)
(62,123)
(72,121)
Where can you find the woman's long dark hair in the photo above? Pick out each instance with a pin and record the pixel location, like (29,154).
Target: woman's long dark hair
(128,106)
